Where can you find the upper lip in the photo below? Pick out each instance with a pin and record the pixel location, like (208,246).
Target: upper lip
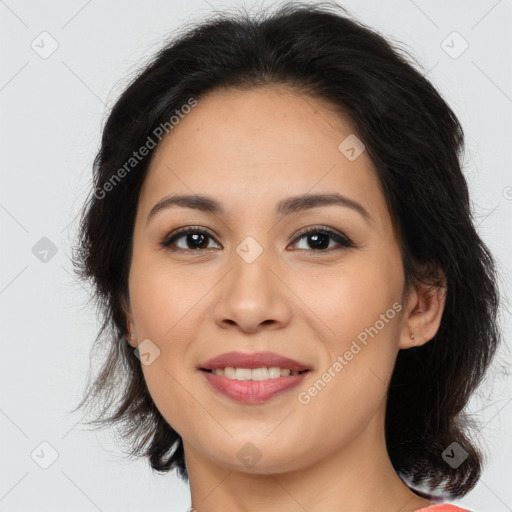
(254,360)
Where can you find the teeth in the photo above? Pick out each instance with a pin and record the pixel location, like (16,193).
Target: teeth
(273,372)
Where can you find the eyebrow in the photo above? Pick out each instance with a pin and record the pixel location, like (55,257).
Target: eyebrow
(284,207)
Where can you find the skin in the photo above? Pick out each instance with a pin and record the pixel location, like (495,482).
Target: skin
(249,150)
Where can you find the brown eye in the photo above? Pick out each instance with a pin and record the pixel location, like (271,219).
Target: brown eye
(195,239)
(319,239)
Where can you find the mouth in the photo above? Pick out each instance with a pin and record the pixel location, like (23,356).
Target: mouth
(253,378)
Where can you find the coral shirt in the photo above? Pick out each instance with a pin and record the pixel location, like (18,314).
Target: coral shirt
(443,508)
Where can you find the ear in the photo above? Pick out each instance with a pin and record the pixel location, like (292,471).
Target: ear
(423,313)
(130,330)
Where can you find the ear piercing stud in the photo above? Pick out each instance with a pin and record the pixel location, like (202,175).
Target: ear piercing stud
(411,335)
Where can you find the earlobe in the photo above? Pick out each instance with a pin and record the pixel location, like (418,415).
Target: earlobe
(130,338)
(129,335)
(423,316)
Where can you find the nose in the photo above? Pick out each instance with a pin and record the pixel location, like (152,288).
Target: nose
(252,297)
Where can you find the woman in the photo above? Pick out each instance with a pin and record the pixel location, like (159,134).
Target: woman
(296,303)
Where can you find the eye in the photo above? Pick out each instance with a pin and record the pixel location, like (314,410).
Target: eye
(195,239)
(319,238)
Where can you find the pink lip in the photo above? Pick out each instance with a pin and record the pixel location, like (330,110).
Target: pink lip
(249,391)
(252,391)
(255,360)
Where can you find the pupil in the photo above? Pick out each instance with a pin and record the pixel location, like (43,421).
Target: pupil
(195,237)
(322,238)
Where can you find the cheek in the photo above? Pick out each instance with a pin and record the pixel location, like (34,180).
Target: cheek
(344,301)
(166,311)
(357,319)
(351,386)
(164,299)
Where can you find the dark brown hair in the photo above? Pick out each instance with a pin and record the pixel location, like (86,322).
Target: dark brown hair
(415,142)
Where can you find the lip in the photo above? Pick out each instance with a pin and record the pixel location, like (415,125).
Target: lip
(254,360)
(253,392)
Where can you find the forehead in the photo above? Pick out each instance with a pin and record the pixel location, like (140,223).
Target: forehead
(252,147)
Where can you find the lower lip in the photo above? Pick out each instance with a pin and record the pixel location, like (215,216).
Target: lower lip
(253,391)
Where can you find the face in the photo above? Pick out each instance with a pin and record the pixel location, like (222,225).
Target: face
(246,279)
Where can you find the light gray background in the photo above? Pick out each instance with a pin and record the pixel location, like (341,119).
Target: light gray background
(52,110)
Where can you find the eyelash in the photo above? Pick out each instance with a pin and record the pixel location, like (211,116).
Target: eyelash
(342,240)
